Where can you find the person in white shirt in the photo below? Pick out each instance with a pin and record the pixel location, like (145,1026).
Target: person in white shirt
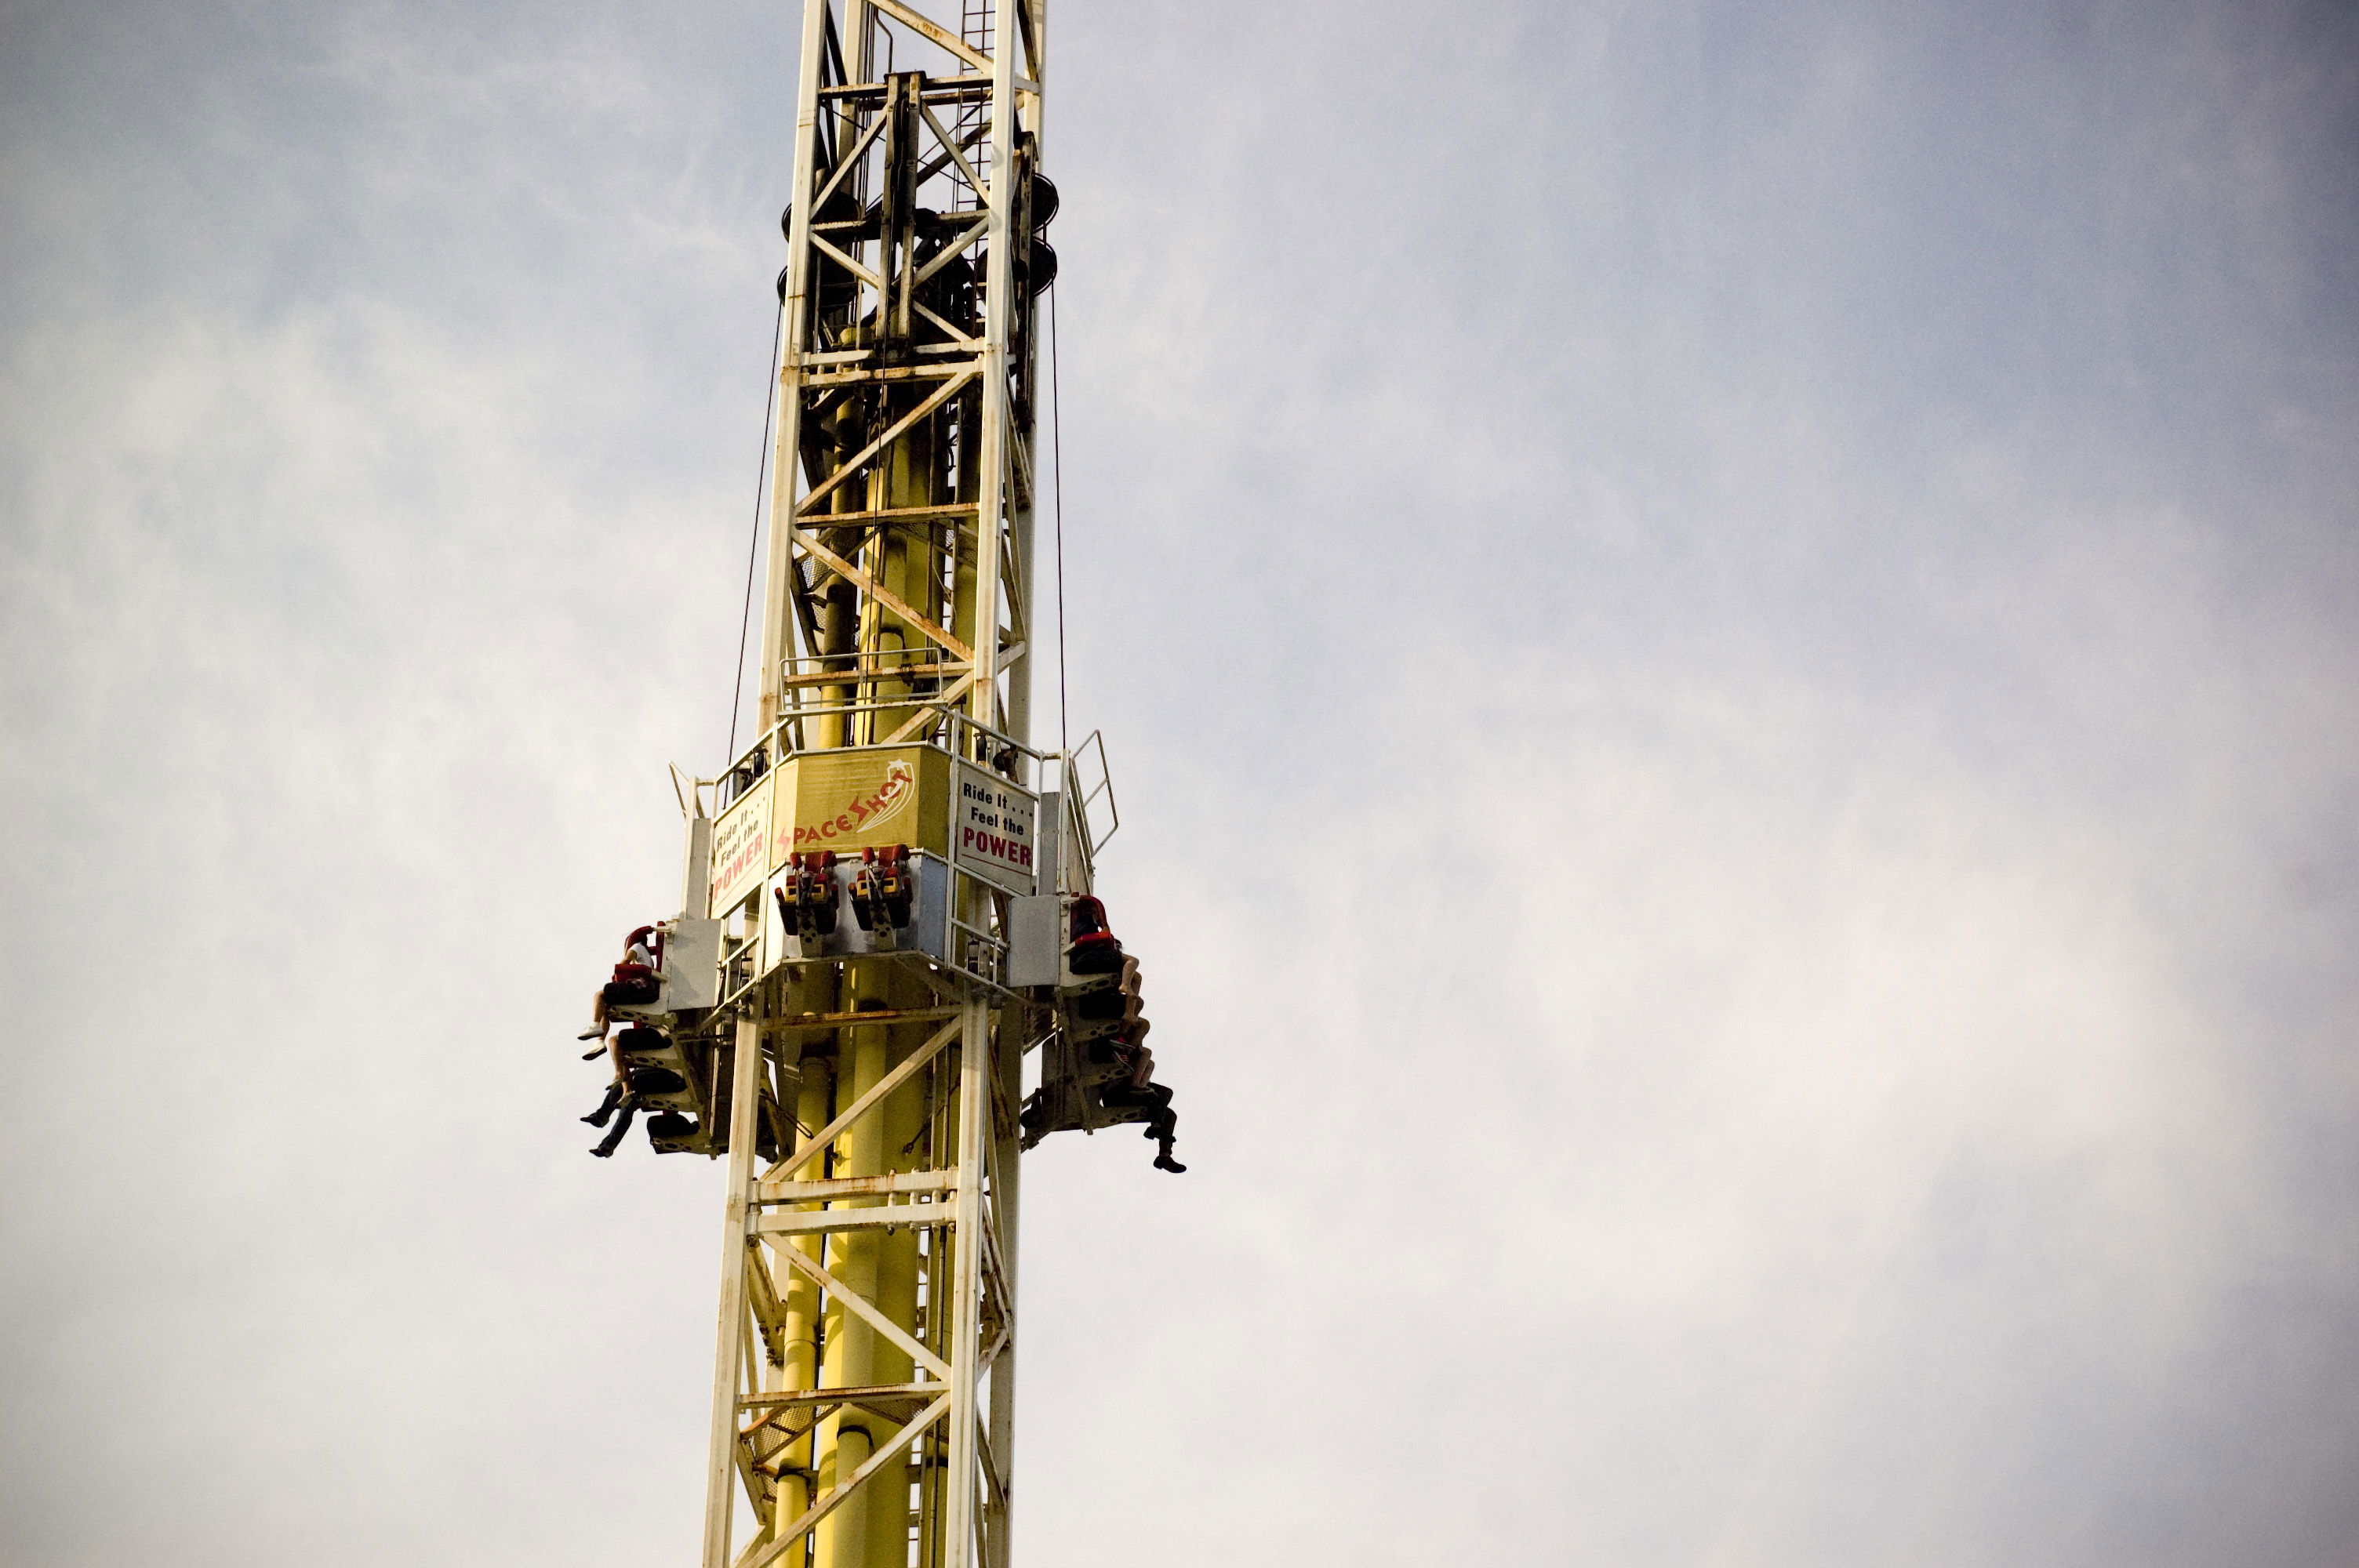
(634,985)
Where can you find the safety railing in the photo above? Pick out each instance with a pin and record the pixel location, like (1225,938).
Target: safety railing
(949,716)
(1089,783)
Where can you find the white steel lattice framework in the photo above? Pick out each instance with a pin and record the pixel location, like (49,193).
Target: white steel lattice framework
(869,1080)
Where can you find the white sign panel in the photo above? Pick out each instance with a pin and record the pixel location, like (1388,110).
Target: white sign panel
(990,829)
(741,842)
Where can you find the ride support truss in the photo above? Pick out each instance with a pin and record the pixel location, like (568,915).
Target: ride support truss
(896,1447)
(864,1401)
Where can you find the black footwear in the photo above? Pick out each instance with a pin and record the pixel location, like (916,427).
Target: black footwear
(602,1152)
(597,1119)
(1164,1161)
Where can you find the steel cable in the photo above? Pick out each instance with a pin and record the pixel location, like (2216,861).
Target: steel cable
(754,543)
(1057,470)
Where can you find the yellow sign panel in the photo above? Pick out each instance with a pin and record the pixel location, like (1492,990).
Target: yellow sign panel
(850,800)
(831,800)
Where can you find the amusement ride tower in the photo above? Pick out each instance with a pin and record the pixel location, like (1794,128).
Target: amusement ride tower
(887,897)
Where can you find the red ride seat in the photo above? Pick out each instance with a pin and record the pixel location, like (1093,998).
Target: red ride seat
(1093,950)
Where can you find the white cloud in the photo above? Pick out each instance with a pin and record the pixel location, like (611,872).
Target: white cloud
(1735,718)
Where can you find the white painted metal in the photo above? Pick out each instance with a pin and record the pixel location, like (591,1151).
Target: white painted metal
(729,1343)
(1034,927)
(966,1299)
(691,960)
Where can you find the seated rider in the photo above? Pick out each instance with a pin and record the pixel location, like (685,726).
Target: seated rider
(634,985)
(630,1086)
(618,1098)
(1135,1087)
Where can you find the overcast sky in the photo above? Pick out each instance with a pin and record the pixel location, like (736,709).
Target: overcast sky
(1728,636)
